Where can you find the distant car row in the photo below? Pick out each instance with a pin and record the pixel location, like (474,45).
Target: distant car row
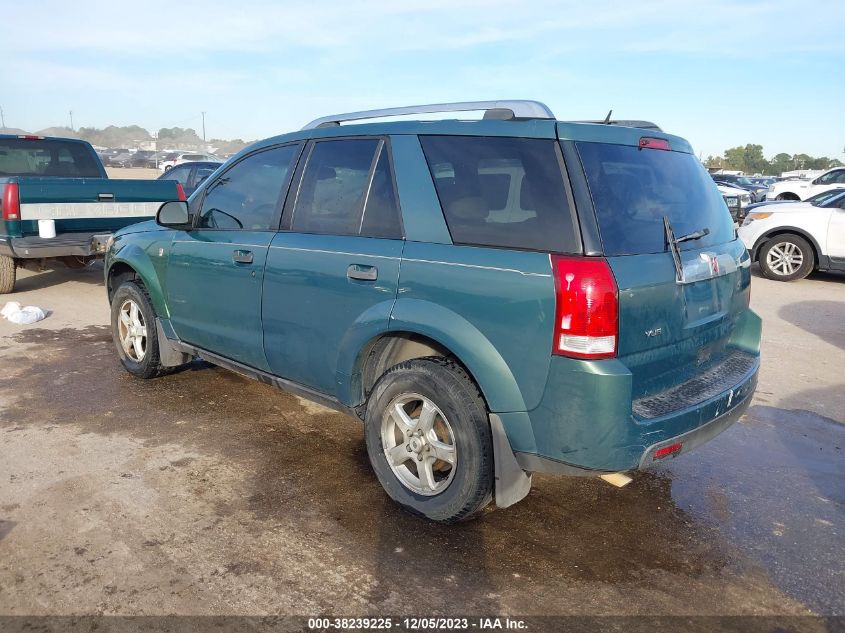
(163,160)
(743,192)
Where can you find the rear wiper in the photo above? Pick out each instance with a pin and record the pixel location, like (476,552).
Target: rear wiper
(695,235)
(672,242)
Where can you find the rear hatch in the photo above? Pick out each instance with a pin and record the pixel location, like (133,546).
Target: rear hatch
(677,311)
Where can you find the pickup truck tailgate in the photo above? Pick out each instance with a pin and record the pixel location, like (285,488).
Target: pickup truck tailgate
(89,204)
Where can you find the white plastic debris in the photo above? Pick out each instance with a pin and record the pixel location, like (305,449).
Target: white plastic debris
(22,315)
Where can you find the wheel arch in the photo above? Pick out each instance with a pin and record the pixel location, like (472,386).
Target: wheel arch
(788,230)
(133,263)
(417,329)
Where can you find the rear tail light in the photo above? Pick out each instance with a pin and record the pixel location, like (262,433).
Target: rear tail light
(180,191)
(587,311)
(11,202)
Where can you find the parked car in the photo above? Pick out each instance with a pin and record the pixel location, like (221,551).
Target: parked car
(790,240)
(799,189)
(190,175)
(492,298)
(184,157)
(107,154)
(123,159)
(56,202)
(738,200)
(758,192)
(817,199)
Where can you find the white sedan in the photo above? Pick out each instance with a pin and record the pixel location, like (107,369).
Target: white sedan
(791,239)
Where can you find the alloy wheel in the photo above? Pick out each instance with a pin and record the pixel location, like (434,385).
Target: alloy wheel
(419,444)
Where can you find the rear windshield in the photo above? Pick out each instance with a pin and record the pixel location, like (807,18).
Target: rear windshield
(633,188)
(30,157)
(505,192)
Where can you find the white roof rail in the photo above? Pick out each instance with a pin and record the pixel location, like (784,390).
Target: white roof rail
(509,109)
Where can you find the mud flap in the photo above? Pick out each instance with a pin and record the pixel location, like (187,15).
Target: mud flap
(512,483)
(169,355)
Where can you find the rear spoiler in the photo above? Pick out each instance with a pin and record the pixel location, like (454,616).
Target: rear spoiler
(646,125)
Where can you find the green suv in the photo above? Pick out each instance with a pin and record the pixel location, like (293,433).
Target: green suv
(492,297)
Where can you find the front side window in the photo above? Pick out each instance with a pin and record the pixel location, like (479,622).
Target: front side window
(246,197)
(505,192)
(332,194)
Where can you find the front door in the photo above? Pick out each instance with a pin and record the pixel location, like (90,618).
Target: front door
(337,268)
(216,270)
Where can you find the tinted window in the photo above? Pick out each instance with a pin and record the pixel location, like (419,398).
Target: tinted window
(25,157)
(634,188)
(331,196)
(505,192)
(247,195)
(381,214)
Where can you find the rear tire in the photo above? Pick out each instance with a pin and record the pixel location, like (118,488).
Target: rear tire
(8,274)
(133,324)
(786,258)
(444,419)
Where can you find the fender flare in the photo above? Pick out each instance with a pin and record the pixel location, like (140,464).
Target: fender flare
(138,260)
(467,343)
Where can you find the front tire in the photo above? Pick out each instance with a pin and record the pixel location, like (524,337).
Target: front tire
(786,258)
(8,274)
(133,324)
(428,439)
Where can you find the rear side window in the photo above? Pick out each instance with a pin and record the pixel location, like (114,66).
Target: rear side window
(633,188)
(347,189)
(505,192)
(34,157)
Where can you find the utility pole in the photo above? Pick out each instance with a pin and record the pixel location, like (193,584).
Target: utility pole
(203,127)
(71,119)
(2,118)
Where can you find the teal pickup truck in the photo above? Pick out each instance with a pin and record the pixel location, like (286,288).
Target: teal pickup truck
(57,203)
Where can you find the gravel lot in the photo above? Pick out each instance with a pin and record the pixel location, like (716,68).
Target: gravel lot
(206,493)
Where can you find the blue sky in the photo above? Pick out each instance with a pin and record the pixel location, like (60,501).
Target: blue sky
(718,73)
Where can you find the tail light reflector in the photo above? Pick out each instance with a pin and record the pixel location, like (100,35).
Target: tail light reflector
(11,202)
(180,191)
(587,311)
(660,453)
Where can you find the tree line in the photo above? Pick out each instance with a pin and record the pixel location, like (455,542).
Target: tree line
(750,160)
(130,136)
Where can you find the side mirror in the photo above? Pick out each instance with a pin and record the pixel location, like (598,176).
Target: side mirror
(174,214)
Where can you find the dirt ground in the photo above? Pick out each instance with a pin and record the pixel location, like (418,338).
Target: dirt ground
(207,493)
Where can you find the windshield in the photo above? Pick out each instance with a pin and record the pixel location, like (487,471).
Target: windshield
(633,189)
(42,157)
(824,196)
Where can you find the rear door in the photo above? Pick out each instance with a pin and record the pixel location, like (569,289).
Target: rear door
(216,270)
(338,263)
(675,319)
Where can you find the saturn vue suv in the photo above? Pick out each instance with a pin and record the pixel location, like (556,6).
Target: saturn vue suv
(491,298)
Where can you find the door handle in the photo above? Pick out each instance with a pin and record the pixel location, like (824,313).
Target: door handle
(242,257)
(361,272)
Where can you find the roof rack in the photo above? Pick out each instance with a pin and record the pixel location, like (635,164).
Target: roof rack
(646,125)
(512,109)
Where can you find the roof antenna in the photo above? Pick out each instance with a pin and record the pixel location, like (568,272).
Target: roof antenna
(607,118)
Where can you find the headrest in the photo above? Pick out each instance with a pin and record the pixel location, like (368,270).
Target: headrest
(468,208)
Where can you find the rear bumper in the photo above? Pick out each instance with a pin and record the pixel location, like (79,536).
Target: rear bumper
(64,244)
(586,422)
